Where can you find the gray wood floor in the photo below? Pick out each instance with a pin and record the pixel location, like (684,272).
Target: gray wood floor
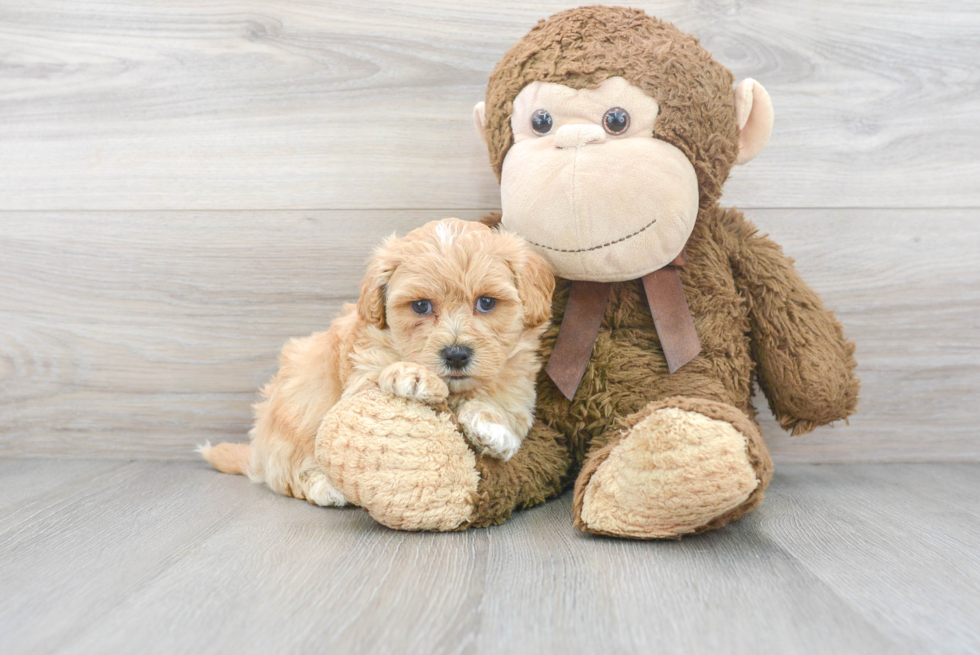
(171,557)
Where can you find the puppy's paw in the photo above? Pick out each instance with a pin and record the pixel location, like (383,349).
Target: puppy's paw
(485,428)
(413,382)
(320,492)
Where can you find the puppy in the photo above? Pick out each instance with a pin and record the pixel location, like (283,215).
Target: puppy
(451,312)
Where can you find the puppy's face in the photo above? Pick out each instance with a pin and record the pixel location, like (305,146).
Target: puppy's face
(458,298)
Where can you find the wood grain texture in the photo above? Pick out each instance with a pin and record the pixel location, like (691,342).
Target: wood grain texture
(141,334)
(298,104)
(855,542)
(174,557)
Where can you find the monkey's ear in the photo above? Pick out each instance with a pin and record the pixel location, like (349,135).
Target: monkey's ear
(371,303)
(480,120)
(753,111)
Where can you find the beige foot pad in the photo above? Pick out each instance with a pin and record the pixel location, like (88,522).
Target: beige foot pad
(402,461)
(673,473)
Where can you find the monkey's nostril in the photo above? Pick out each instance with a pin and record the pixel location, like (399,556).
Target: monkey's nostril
(457,357)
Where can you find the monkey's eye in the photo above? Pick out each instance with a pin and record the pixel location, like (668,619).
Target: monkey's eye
(485,305)
(541,122)
(422,307)
(616,120)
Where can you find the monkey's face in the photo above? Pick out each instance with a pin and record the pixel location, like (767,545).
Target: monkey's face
(589,186)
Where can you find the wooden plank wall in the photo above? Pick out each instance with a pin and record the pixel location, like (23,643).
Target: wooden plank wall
(184,185)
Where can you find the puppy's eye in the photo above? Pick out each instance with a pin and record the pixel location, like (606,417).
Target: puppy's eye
(616,120)
(422,307)
(541,122)
(485,305)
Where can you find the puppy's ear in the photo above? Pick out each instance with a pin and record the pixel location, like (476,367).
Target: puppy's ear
(371,303)
(535,286)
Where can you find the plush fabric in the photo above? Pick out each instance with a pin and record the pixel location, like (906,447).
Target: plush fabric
(753,112)
(652,222)
(705,464)
(410,467)
(403,461)
(581,48)
(672,473)
(755,317)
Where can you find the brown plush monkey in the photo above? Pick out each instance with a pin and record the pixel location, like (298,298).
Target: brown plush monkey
(612,133)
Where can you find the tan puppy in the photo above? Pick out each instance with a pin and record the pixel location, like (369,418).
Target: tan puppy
(452,311)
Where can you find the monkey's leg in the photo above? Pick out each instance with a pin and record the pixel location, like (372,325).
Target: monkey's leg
(411,468)
(680,466)
(536,473)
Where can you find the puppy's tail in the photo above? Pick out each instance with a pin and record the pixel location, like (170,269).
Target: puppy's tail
(228,457)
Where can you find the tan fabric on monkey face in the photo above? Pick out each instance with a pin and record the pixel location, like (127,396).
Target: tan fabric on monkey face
(599,207)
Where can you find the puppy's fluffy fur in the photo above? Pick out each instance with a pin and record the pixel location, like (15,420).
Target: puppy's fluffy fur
(383,341)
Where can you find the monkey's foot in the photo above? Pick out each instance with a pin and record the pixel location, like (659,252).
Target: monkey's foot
(410,467)
(401,460)
(681,466)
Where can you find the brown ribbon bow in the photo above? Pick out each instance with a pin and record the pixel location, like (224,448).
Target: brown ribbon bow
(583,317)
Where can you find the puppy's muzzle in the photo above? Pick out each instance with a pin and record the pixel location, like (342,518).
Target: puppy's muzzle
(457,357)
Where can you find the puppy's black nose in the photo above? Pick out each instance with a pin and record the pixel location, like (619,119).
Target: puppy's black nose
(457,357)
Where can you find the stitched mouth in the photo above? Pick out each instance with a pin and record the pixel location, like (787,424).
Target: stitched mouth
(604,245)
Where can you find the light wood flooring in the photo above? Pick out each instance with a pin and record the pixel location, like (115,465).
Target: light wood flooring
(172,557)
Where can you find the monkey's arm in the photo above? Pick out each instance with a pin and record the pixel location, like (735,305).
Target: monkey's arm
(805,365)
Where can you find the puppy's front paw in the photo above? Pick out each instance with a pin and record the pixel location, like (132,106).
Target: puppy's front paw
(413,382)
(485,429)
(319,491)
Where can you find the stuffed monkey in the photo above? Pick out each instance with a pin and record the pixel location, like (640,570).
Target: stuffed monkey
(612,134)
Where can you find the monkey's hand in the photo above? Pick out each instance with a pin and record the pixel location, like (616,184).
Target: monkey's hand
(806,366)
(414,382)
(486,427)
